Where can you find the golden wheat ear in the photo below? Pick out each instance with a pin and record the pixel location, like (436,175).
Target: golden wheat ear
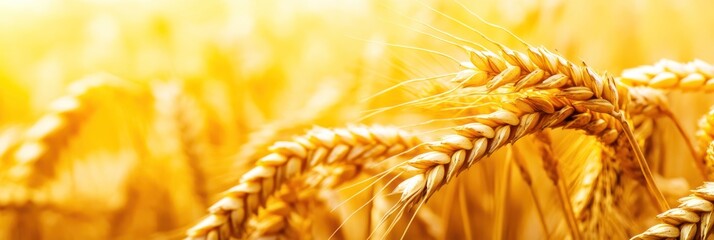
(457,152)
(34,157)
(539,68)
(286,214)
(666,74)
(290,159)
(692,219)
(705,136)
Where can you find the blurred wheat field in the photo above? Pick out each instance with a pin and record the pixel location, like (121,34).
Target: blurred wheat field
(318,119)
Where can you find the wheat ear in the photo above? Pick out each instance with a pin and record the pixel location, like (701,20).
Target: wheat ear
(289,159)
(705,136)
(599,201)
(473,141)
(671,75)
(285,216)
(287,213)
(692,219)
(542,69)
(601,213)
(36,154)
(180,120)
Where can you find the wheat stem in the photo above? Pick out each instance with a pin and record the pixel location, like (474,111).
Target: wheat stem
(567,206)
(644,167)
(690,144)
(526,176)
(465,216)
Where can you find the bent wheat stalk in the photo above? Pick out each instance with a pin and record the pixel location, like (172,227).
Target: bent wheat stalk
(289,159)
(647,104)
(600,206)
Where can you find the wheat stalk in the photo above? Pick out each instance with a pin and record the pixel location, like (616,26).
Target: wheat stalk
(668,74)
(528,179)
(352,145)
(555,173)
(692,219)
(599,201)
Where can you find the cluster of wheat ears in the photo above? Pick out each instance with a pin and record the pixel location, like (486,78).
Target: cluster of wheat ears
(579,140)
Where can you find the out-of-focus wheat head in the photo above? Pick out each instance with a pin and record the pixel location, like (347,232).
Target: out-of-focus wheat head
(129,119)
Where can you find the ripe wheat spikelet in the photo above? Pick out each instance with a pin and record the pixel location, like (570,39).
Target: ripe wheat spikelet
(286,214)
(180,118)
(593,209)
(606,212)
(705,136)
(589,92)
(473,141)
(645,105)
(668,74)
(34,156)
(539,69)
(692,219)
(352,145)
(452,152)
(599,204)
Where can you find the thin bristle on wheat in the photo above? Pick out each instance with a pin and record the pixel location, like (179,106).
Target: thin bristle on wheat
(289,159)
